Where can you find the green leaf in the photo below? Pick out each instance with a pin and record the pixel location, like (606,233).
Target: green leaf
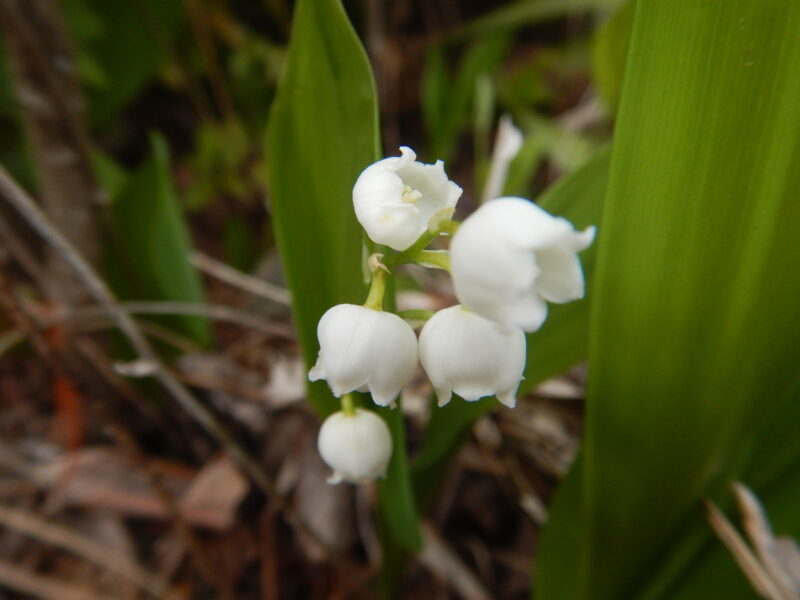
(563,340)
(397,512)
(518,14)
(554,568)
(714,574)
(609,54)
(522,170)
(772,470)
(323,131)
(111,176)
(150,239)
(560,343)
(120,46)
(447,102)
(694,313)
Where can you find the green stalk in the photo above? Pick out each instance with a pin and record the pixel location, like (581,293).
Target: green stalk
(348,405)
(377,288)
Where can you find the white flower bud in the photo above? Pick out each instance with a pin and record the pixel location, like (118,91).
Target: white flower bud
(357,447)
(395,198)
(464,353)
(510,256)
(366,350)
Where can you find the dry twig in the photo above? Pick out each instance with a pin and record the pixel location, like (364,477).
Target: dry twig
(47,588)
(771,570)
(440,559)
(72,541)
(47,88)
(209,311)
(236,278)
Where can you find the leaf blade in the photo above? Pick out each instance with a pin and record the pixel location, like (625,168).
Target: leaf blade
(682,350)
(322,132)
(151,240)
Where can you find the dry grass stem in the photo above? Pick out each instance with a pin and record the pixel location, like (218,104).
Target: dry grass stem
(447,565)
(742,554)
(766,568)
(72,541)
(47,588)
(767,546)
(243,281)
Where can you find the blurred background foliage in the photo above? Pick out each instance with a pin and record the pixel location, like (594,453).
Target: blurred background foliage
(201,77)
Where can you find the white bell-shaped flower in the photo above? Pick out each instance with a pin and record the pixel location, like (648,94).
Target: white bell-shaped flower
(357,446)
(396,197)
(366,350)
(510,257)
(474,357)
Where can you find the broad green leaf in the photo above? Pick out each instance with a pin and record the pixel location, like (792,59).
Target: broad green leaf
(561,343)
(694,312)
(714,574)
(772,470)
(554,568)
(698,566)
(563,340)
(150,239)
(776,450)
(609,53)
(323,131)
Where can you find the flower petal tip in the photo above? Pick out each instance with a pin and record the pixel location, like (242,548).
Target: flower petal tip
(316,373)
(508,399)
(407,154)
(384,400)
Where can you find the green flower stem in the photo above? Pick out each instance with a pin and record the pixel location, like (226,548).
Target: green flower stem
(415,315)
(449,226)
(348,405)
(377,288)
(438,259)
(409,255)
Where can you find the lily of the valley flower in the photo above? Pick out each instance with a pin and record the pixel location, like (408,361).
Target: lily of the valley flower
(464,353)
(510,257)
(396,197)
(356,446)
(366,350)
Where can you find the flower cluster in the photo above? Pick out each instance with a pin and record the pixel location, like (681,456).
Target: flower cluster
(507,260)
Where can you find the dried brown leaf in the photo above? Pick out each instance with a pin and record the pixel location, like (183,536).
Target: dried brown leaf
(214,495)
